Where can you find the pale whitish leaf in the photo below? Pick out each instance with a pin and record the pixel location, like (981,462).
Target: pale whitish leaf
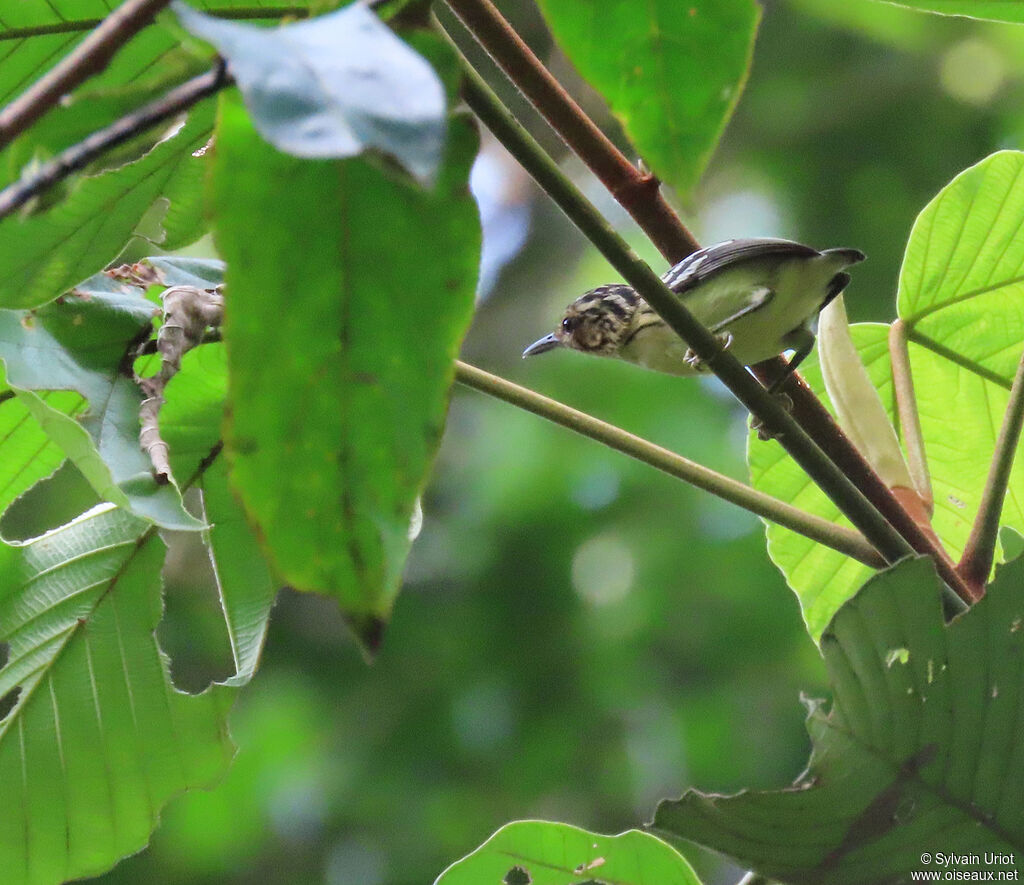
(334,86)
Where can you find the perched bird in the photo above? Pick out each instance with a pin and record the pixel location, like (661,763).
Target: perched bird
(760,296)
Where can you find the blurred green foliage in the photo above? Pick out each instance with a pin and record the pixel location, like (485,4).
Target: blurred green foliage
(579,635)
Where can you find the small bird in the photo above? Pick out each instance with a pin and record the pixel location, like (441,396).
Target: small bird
(759,296)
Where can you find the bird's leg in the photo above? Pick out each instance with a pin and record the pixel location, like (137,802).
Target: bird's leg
(763,433)
(695,362)
(802,340)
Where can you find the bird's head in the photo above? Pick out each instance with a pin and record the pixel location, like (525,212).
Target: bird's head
(596,322)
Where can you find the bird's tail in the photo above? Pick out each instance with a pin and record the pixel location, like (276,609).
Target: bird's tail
(845,257)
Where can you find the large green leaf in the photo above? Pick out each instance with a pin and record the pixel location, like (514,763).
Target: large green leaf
(340,348)
(334,87)
(671,72)
(922,751)
(534,852)
(1000,10)
(961,296)
(98,739)
(78,345)
(42,256)
(962,281)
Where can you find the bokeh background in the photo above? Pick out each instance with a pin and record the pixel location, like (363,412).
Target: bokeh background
(579,635)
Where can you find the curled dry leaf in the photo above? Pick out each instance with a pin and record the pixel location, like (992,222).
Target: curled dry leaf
(188,312)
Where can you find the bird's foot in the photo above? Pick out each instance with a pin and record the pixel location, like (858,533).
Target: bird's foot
(695,362)
(763,433)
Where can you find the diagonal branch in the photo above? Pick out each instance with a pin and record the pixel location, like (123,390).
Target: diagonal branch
(650,287)
(976,563)
(665,230)
(90,57)
(814,527)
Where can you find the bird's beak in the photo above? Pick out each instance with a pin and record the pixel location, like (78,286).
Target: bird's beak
(542,345)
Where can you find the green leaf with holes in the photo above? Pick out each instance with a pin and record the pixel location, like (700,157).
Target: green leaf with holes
(961,299)
(65,361)
(670,71)
(535,852)
(191,422)
(999,10)
(922,750)
(340,359)
(98,739)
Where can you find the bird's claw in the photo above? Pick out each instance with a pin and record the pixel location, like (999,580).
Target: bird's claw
(695,362)
(763,433)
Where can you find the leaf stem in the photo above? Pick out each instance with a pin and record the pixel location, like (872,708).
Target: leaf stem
(638,192)
(90,57)
(909,417)
(651,288)
(837,537)
(976,563)
(127,127)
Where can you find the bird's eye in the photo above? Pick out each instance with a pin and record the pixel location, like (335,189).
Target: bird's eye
(567,325)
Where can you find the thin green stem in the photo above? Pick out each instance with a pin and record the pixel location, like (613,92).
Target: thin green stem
(975,368)
(758,401)
(839,538)
(976,563)
(909,417)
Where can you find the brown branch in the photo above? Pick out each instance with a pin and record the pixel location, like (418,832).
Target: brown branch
(638,192)
(763,405)
(80,155)
(90,57)
(810,414)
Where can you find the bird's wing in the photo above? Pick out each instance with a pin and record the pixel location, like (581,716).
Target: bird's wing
(759,297)
(703,263)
